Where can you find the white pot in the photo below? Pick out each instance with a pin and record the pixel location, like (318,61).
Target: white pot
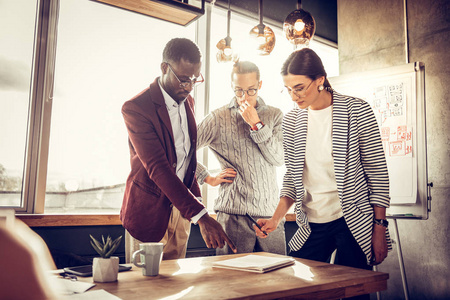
(105,269)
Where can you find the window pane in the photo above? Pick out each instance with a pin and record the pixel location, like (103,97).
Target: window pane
(17,25)
(105,56)
(270,67)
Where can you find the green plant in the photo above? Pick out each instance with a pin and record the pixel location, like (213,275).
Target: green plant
(106,248)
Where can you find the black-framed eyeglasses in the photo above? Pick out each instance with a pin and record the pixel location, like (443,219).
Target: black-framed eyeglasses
(184,84)
(250,92)
(299,92)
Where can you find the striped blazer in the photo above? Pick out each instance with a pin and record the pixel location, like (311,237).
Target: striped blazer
(359,165)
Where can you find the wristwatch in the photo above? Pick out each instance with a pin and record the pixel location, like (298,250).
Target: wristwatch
(258,126)
(381,222)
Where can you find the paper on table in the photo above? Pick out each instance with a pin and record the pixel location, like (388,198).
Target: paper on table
(71,287)
(97,295)
(255,263)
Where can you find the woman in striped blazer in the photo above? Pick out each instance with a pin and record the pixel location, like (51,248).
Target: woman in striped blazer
(336,173)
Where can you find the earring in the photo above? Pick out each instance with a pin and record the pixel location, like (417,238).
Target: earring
(320,88)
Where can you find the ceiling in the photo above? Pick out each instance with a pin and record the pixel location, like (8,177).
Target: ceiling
(275,12)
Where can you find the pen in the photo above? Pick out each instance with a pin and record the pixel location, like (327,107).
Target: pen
(254,222)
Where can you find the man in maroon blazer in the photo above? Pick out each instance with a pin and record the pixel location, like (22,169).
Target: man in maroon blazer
(162,196)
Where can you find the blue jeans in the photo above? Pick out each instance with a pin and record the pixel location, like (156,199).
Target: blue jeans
(325,238)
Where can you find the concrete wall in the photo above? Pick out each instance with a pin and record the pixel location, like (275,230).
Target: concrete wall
(371,36)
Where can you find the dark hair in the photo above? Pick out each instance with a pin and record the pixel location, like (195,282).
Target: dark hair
(305,62)
(245,67)
(181,48)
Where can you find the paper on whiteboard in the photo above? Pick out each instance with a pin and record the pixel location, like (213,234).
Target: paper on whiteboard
(388,99)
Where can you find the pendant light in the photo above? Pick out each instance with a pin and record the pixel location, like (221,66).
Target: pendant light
(226,53)
(263,35)
(299,27)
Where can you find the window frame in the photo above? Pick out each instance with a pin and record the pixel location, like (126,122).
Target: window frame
(41,94)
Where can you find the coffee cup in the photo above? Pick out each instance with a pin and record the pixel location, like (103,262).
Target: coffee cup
(151,256)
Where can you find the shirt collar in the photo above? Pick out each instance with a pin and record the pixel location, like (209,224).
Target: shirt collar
(170,103)
(259,103)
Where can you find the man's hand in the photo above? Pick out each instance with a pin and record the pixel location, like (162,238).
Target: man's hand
(379,244)
(226,175)
(213,234)
(249,114)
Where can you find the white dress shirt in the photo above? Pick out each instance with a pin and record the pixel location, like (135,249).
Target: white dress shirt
(179,122)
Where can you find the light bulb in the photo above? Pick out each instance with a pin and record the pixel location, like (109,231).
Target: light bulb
(228,51)
(299,27)
(225,53)
(264,41)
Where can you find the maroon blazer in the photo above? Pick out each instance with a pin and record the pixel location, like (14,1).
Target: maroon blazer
(153,185)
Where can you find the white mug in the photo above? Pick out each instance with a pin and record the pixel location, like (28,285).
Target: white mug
(151,256)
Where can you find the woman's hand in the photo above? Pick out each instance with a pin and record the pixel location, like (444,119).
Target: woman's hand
(267,225)
(379,244)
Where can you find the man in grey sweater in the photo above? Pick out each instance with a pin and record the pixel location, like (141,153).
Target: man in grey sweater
(245,136)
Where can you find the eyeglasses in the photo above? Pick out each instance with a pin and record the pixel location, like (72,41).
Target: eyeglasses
(250,92)
(299,92)
(184,84)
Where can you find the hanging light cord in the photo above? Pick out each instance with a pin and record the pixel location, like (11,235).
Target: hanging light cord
(228,19)
(299,4)
(260,11)
(405,18)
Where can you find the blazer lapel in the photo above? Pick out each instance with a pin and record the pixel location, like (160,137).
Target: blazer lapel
(192,128)
(339,137)
(158,99)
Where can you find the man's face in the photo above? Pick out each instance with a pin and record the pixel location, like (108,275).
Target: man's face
(177,74)
(246,84)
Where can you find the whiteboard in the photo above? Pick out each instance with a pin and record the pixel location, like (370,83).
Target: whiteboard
(397,97)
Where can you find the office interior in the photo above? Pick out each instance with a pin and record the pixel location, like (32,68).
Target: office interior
(367,34)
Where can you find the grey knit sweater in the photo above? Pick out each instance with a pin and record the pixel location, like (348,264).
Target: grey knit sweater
(254,155)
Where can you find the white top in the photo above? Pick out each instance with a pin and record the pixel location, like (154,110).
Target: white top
(178,120)
(321,203)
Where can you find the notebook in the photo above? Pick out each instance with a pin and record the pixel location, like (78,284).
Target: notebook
(255,263)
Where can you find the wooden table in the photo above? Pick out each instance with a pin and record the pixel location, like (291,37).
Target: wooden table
(194,278)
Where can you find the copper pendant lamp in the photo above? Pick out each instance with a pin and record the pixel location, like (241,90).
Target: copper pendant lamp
(263,35)
(226,53)
(299,27)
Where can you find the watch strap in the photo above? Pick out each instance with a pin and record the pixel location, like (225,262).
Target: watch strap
(258,126)
(381,222)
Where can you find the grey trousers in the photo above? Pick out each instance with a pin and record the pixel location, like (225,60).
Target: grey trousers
(240,230)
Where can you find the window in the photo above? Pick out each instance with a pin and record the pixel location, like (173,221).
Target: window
(270,67)
(104,57)
(17,18)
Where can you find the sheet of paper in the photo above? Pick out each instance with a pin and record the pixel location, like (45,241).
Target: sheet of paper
(254,263)
(68,287)
(97,295)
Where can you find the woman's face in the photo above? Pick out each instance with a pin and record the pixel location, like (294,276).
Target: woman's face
(304,91)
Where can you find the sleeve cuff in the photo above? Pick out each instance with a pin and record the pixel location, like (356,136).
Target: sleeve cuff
(197,217)
(261,135)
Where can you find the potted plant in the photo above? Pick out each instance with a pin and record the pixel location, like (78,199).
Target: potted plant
(106,267)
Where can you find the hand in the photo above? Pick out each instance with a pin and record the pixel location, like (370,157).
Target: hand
(267,225)
(249,114)
(379,244)
(226,176)
(213,234)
